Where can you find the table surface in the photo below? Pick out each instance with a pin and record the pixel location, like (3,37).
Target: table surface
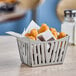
(10,64)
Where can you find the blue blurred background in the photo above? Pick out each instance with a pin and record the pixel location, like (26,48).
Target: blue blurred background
(46,13)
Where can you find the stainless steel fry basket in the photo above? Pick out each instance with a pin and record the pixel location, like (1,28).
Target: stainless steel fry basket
(37,53)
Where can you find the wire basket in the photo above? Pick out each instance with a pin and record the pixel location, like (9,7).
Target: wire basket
(37,53)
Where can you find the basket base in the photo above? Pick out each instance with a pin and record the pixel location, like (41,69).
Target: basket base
(50,64)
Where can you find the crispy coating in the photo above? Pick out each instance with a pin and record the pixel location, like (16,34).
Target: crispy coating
(31,37)
(43,28)
(61,35)
(53,29)
(54,32)
(27,34)
(34,33)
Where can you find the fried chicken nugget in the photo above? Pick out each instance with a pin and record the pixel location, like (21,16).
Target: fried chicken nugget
(54,32)
(27,34)
(43,28)
(31,37)
(34,32)
(61,35)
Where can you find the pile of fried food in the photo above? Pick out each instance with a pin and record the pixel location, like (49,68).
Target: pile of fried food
(45,34)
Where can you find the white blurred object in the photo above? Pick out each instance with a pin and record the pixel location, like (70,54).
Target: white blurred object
(75,34)
(69,26)
(74,12)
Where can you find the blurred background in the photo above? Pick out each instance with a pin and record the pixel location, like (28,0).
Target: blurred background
(15,15)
